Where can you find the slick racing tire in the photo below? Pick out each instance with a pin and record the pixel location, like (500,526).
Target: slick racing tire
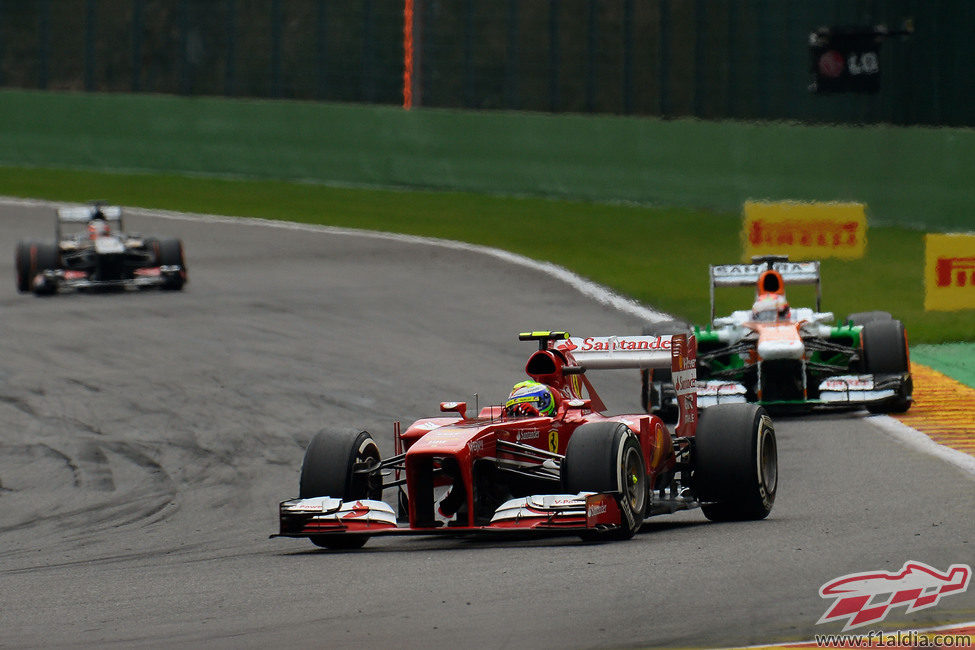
(864,317)
(736,462)
(606,457)
(22,265)
(885,352)
(151,245)
(44,256)
(328,469)
(171,254)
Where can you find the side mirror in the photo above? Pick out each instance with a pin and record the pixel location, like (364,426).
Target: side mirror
(460,408)
(580,404)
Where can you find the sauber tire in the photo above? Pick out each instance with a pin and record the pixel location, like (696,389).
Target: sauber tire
(42,256)
(170,253)
(23,259)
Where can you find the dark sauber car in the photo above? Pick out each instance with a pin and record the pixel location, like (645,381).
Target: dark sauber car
(91,250)
(572,470)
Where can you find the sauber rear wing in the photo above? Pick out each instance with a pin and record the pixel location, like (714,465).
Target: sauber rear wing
(744,275)
(84,214)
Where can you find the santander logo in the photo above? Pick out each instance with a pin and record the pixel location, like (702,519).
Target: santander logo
(612,343)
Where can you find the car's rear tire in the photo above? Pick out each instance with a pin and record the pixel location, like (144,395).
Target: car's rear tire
(606,457)
(44,256)
(736,462)
(864,317)
(170,253)
(884,346)
(328,470)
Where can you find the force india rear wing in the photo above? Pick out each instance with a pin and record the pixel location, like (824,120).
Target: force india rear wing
(744,275)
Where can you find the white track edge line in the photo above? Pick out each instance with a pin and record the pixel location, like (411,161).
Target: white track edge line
(923,443)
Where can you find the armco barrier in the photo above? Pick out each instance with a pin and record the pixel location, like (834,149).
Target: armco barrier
(915,177)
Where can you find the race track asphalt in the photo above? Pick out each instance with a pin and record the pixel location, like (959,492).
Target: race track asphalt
(148,437)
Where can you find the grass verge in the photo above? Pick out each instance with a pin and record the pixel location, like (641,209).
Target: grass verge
(659,256)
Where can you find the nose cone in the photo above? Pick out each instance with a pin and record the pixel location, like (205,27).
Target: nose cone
(780,343)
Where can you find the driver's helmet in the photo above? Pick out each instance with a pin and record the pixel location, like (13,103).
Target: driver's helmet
(770,307)
(98,228)
(529,398)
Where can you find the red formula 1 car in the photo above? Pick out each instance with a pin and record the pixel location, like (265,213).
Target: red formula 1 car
(547,461)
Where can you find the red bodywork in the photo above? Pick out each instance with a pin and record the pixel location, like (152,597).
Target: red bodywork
(463,454)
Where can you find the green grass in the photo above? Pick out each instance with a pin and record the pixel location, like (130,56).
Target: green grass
(658,255)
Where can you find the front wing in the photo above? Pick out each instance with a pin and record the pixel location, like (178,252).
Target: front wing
(547,514)
(143,278)
(839,391)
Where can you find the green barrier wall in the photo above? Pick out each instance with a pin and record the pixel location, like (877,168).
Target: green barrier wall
(915,177)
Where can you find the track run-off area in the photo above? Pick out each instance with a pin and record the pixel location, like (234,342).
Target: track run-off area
(149,436)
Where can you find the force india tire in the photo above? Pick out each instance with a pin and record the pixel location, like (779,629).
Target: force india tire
(736,462)
(864,317)
(606,457)
(327,470)
(884,346)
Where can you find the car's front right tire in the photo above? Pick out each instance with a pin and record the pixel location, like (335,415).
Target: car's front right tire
(329,469)
(606,457)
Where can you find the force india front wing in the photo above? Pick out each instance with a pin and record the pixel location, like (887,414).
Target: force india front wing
(838,391)
(542,514)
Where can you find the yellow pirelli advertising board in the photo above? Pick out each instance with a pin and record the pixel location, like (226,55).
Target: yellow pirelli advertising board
(804,230)
(949,272)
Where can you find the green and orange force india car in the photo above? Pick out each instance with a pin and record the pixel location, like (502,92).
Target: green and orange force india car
(789,359)
(558,465)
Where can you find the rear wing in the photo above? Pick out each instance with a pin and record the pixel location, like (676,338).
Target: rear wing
(677,352)
(84,214)
(612,352)
(744,275)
